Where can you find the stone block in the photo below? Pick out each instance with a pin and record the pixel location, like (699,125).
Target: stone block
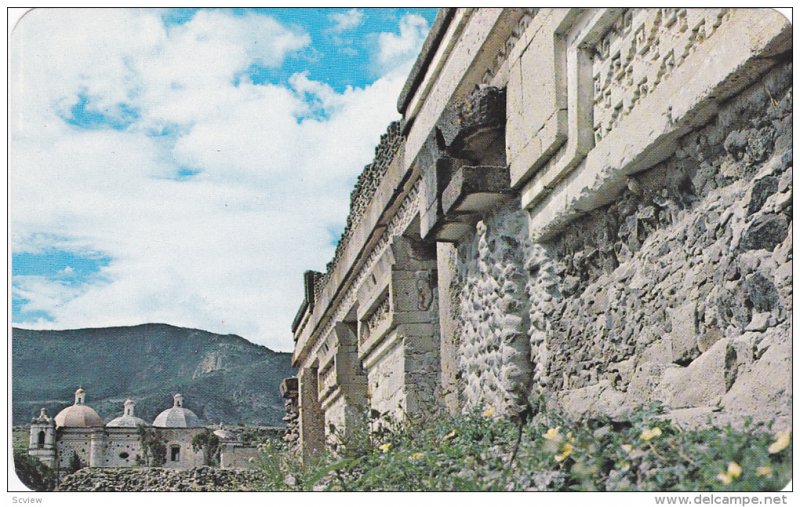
(475,189)
(434,181)
(684,332)
(703,382)
(767,382)
(649,126)
(542,126)
(599,400)
(471,125)
(644,381)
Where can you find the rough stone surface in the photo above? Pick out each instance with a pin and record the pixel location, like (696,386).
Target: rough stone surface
(494,353)
(465,125)
(161,479)
(674,272)
(661,295)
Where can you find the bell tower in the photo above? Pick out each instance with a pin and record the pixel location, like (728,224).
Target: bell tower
(42,443)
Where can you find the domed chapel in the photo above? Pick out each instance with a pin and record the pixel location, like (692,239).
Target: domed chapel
(79,431)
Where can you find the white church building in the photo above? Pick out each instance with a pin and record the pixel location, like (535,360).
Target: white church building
(79,430)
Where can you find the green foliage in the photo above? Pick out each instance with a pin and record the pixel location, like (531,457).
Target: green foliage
(474,453)
(154,450)
(258,435)
(32,472)
(210,444)
(20,437)
(75,463)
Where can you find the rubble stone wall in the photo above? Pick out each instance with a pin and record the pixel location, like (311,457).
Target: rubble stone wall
(494,312)
(679,291)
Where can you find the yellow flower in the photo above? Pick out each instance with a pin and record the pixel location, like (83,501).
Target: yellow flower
(624,466)
(566,450)
(385,447)
(765,471)
(552,434)
(781,443)
(451,435)
(650,433)
(416,456)
(570,437)
(628,448)
(489,412)
(734,470)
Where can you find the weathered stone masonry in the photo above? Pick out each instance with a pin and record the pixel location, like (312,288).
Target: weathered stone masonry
(593,205)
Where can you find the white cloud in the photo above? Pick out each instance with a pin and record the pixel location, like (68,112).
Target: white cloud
(225,249)
(397,52)
(343,21)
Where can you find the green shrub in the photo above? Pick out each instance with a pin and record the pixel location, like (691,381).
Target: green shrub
(32,472)
(478,452)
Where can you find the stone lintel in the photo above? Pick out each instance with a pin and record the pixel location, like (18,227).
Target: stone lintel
(476,189)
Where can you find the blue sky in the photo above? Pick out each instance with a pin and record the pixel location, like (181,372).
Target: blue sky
(339,59)
(188,165)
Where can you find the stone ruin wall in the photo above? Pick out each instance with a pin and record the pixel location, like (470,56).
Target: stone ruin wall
(679,291)
(569,210)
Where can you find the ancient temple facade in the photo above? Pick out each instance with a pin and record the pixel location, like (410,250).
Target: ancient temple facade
(590,205)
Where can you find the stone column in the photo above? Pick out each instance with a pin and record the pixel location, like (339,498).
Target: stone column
(343,388)
(446,258)
(312,431)
(398,329)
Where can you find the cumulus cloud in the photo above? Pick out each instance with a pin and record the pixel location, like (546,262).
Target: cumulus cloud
(397,51)
(344,21)
(268,167)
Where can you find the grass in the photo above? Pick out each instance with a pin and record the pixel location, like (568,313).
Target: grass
(480,452)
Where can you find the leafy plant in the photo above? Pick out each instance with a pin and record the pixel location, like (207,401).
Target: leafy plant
(210,444)
(75,463)
(473,452)
(32,472)
(154,450)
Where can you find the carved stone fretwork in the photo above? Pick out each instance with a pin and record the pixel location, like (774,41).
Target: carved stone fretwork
(641,49)
(405,214)
(377,320)
(399,290)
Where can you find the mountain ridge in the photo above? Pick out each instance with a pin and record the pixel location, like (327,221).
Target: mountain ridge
(224,378)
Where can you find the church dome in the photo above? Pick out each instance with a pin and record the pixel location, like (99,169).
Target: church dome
(225,435)
(127,419)
(78,415)
(177,416)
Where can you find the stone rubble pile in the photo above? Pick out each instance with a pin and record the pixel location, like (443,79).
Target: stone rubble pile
(161,479)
